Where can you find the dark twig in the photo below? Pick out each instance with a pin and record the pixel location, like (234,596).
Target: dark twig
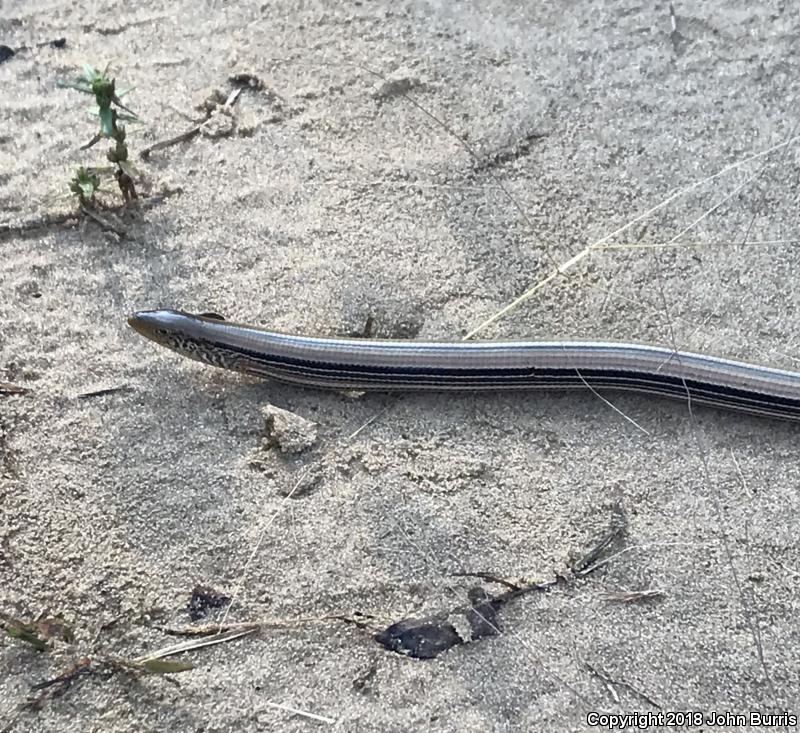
(105,223)
(591,561)
(182,138)
(104,392)
(192,131)
(489,578)
(611,684)
(631,596)
(43,222)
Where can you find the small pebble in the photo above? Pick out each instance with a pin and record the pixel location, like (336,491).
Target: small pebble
(6,52)
(396,85)
(290,432)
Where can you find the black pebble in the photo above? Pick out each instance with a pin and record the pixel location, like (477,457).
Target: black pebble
(5,53)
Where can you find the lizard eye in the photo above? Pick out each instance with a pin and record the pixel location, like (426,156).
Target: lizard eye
(212,316)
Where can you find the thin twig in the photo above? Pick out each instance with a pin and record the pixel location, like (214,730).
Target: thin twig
(187,646)
(302,713)
(247,626)
(631,596)
(169,142)
(566,266)
(191,132)
(611,684)
(606,680)
(489,578)
(104,392)
(105,223)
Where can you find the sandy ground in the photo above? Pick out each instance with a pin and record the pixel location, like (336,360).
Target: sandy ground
(333,199)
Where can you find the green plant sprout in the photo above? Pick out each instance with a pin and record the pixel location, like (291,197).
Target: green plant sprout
(84,185)
(110,110)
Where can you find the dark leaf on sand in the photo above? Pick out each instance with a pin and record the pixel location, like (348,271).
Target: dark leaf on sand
(421,638)
(427,637)
(204,600)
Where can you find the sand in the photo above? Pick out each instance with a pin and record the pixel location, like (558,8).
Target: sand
(325,198)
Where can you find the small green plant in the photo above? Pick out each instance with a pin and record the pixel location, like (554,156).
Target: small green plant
(84,184)
(110,110)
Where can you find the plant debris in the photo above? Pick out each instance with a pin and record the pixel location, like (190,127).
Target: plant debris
(37,633)
(427,637)
(631,596)
(205,599)
(104,392)
(212,103)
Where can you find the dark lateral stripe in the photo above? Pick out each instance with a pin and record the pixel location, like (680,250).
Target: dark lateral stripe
(315,373)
